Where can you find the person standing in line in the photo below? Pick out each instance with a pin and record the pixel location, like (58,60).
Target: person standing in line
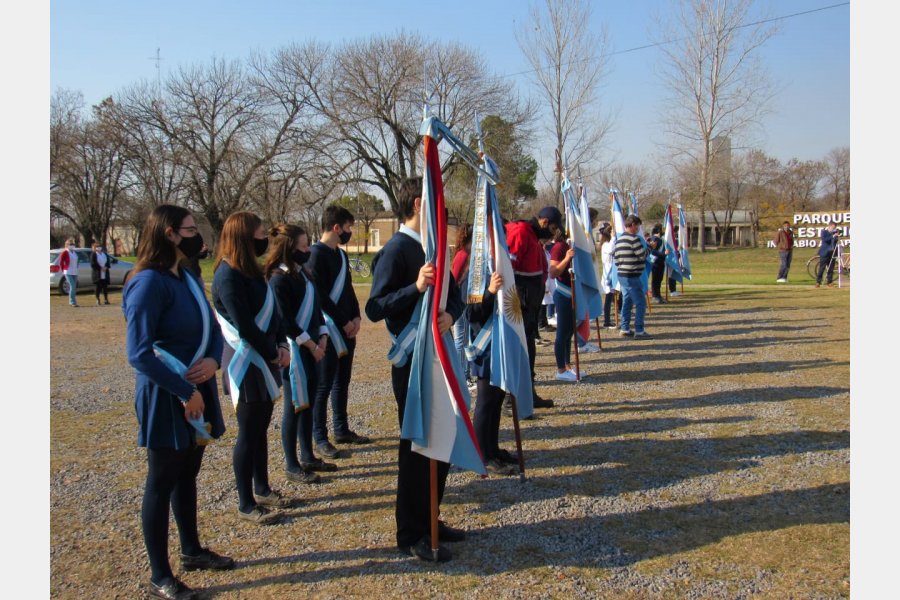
(561,256)
(300,311)
(330,269)
(459,269)
(658,263)
(630,256)
(609,294)
(68,264)
(529,266)
(784,241)
(252,359)
(175,346)
(673,283)
(400,276)
(100,262)
(828,253)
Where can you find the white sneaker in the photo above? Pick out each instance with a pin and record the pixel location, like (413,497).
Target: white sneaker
(590,347)
(551,321)
(640,334)
(675,293)
(567,376)
(781,280)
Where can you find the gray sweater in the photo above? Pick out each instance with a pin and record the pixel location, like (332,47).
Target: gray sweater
(630,255)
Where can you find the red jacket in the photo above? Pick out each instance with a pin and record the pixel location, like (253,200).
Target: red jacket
(525,251)
(64,260)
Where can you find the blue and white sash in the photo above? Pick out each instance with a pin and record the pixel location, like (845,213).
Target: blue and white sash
(402,345)
(245,355)
(482,341)
(334,332)
(176,365)
(563,289)
(300,396)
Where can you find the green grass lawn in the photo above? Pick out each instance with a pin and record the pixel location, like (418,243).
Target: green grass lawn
(735,266)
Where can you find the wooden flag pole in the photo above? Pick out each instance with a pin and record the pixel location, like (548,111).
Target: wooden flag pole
(599,341)
(667,283)
(515,415)
(575,326)
(618,308)
(432,463)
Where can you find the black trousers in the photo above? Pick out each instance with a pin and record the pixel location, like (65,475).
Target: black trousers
(826,262)
(413,508)
(608,301)
(171,479)
(101,285)
(656,276)
(486,420)
(531,295)
(251,451)
(333,375)
(297,426)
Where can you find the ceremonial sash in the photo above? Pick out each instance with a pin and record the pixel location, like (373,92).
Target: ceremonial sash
(176,365)
(245,355)
(563,289)
(300,397)
(402,345)
(334,332)
(482,341)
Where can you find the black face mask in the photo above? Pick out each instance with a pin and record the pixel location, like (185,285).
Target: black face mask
(260,246)
(345,236)
(190,246)
(300,257)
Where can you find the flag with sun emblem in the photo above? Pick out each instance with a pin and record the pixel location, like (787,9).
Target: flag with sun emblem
(586,287)
(510,369)
(436,417)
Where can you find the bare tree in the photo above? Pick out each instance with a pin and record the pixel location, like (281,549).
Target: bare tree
(798,184)
(837,172)
(65,120)
(761,172)
(718,89)
(569,62)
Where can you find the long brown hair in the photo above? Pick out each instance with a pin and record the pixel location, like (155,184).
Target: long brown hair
(463,237)
(155,250)
(282,243)
(236,244)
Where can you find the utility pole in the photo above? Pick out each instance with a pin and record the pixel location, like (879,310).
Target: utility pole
(158,76)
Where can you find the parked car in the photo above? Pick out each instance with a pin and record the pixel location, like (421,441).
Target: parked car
(118,270)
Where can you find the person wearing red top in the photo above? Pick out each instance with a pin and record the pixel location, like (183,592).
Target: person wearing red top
(459,269)
(530,267)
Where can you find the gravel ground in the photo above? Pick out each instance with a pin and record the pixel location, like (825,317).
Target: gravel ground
(711,461)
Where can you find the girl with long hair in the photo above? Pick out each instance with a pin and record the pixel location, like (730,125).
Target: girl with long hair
(299,308)
(175,347)
(254,353)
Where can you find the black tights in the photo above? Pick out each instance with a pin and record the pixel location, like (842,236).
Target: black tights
(171,478)
(297,427)
(101,286)
(251,453)
(487,418)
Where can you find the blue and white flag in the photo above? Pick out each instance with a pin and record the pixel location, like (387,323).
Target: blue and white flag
(683,243)
(586,285)
(670,241)
(648,264)
(436,419)
(618,228)
(505,330)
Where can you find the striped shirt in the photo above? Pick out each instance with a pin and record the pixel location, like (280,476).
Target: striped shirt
(629,254)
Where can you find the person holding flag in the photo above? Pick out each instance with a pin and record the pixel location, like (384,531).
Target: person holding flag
(670,254)
(561,257)
(400,278)
(658,260)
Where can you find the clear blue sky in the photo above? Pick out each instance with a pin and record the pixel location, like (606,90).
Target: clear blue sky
(99,46)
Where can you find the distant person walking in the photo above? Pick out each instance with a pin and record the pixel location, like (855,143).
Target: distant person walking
(68,264)
(100,262)
(784,241)
(828,253)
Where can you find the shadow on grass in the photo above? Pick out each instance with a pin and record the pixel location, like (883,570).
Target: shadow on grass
(604,541)
(675,373)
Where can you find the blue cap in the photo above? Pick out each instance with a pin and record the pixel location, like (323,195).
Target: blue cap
(552,214)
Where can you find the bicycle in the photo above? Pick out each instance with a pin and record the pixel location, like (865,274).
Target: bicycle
(843,265)
(360,266)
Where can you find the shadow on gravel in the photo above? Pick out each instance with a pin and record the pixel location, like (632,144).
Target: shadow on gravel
(727,398)
(615,467)
(711,344)
(675,373)
(610,541)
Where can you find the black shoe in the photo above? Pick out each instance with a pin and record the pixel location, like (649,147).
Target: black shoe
(327,450)
(422,550)
(106,302)
(318,465)
(542,403)
(496,467)
(351,437)
(301,476)
(450,534)
(171,589)
(507,457)
(259,515)
(206,560)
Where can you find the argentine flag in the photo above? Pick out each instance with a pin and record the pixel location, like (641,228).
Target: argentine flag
(648,264)
(669,238)
(510,369)
(618,223)
(436,418)
(683,243)
(586,287)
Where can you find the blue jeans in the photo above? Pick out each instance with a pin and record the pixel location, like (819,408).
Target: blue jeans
(632,296)
(785,264)
(73,285)
(565,325)
(461,330)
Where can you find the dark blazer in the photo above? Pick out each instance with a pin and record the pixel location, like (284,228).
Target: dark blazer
(96,273)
